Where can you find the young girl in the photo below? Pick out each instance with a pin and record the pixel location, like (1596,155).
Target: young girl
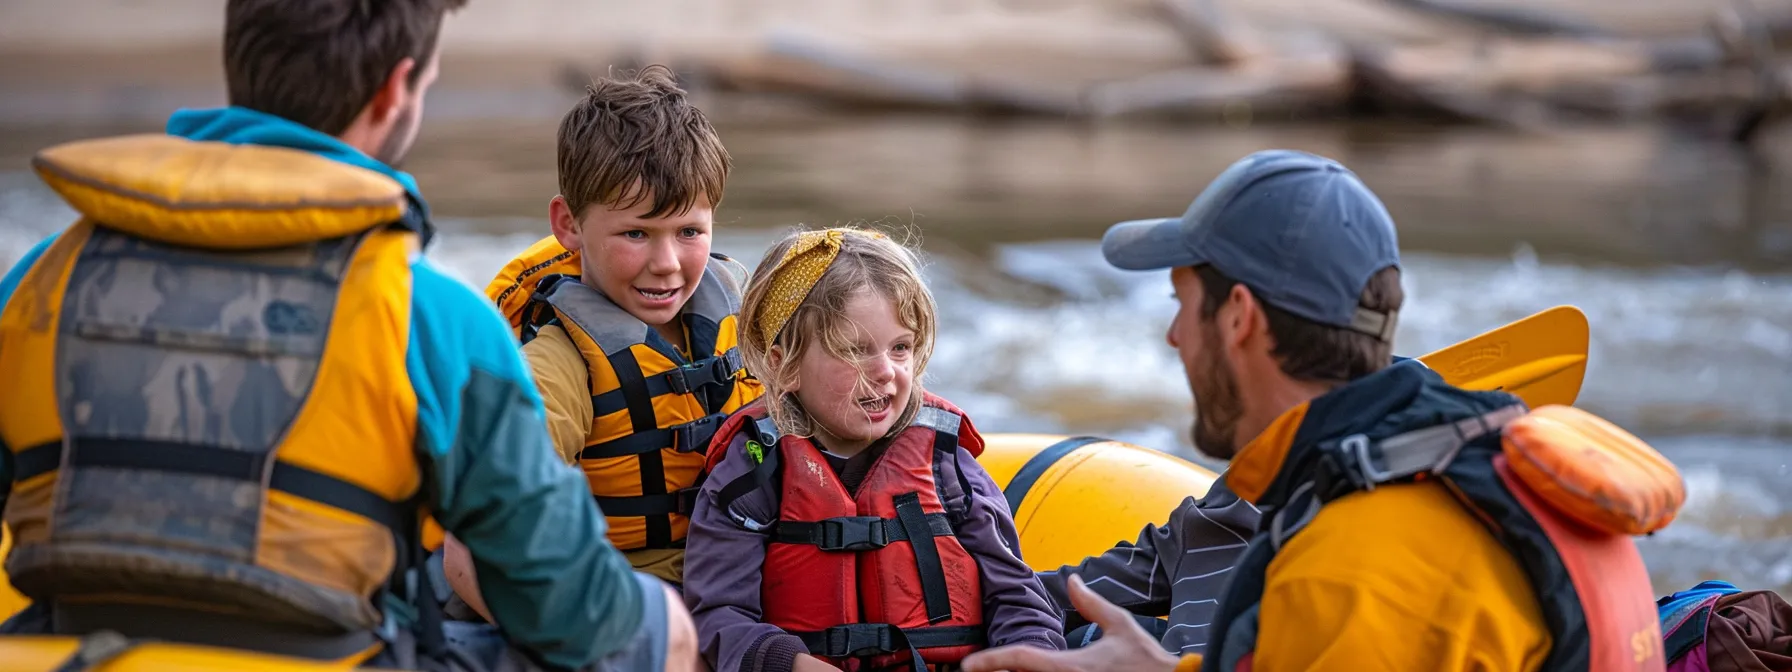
(845,521)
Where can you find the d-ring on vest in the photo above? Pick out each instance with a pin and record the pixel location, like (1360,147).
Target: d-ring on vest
(653,412)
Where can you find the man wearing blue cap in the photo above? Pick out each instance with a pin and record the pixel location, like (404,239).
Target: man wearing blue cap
(1287,271)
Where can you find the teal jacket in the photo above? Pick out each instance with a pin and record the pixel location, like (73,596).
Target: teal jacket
(545,568)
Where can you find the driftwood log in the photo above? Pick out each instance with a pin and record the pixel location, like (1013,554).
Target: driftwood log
(1518,68)
(792,64)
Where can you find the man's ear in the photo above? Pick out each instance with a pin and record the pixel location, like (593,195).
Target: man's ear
(389,100)
(1241,318)
(563,223)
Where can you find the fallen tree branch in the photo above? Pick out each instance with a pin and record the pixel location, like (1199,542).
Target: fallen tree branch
(1207,32)
(1509,20)
(793,64)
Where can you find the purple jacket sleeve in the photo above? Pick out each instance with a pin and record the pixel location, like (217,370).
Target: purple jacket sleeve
(722,576)
(1015,605)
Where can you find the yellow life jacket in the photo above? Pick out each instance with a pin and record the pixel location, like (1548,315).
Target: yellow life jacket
(654,410)
(206,399)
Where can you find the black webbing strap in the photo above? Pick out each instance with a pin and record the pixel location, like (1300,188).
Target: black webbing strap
(642,419)
(690,437)
(682,502)
(419,583)
(854,534)
(634,443)
(860,640)
(536,312)
(763,476)
(410,578)
(214,461)
(691,379)
(927,557)
(717,397)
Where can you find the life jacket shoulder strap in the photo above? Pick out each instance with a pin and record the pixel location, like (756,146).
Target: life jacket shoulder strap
(938,419)
(536,311)
(1357,463)
(1367,463)
(613,329)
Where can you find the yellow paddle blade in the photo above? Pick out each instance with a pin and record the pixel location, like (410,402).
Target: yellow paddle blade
(1541,358)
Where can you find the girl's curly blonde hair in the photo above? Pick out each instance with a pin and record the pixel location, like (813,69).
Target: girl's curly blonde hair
(867,261)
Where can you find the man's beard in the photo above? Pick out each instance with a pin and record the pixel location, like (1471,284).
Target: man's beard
(1217,405)
(398,143)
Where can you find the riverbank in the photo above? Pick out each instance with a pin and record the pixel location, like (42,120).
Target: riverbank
(1537,64)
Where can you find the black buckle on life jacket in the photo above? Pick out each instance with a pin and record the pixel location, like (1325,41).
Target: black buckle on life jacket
(687,379)
(694,436)
(858,639)
(852,534)
(687,501)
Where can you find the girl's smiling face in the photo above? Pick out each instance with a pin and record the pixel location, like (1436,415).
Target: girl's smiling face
(855,402)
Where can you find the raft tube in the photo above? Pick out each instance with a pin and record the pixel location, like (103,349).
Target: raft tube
(1072,497)
(1076,496)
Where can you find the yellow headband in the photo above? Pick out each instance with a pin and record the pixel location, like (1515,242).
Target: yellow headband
(802,266)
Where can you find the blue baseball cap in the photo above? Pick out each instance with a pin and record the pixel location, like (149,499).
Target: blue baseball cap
(1299,230)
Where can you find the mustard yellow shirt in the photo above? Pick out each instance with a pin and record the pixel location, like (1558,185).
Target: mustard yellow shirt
(1398,578)
(565,387)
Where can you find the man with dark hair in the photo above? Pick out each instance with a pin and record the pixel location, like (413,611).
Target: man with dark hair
(1287,271)
(236,392)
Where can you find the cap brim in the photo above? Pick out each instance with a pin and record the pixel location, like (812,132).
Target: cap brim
(1148,244)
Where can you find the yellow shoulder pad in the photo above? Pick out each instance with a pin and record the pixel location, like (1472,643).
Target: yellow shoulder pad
(217,195)
(516,281)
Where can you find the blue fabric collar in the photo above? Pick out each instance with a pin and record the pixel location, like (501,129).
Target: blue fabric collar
(243,126)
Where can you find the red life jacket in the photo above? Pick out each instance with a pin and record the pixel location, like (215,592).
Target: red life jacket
(876,576)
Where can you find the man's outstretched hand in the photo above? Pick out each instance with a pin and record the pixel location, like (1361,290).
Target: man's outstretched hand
(1123,644)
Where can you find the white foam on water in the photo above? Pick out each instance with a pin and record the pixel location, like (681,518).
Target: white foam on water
(1672,351)
(1736,523)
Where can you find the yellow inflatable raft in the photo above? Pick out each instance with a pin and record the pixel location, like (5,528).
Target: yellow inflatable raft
(1074,497)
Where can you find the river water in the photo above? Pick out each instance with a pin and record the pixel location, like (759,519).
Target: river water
(1679,251)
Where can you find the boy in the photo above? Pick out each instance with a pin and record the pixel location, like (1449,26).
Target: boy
(628,321)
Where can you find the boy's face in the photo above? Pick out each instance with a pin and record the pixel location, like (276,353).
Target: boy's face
(650,267)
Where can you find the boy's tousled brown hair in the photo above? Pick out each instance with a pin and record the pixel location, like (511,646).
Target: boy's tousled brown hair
(319,62)
(866,262)
(635,138)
